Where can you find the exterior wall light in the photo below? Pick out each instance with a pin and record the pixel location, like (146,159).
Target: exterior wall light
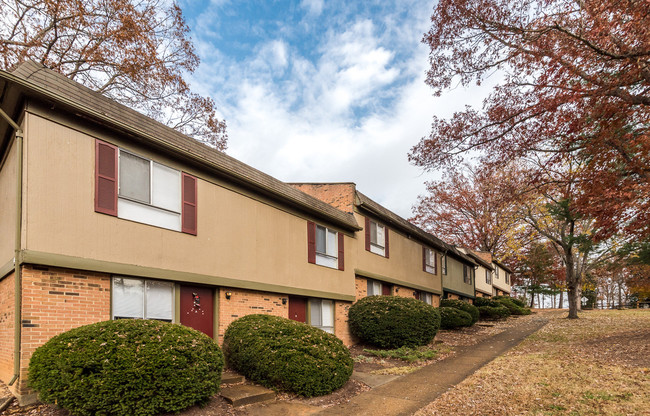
(284,301)
(228,295)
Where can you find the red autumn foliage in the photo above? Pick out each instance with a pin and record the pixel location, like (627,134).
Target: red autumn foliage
(134,52)
(575,83)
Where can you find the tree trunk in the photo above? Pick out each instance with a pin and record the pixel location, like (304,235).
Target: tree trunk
(532,299)
(573,283)
(561,299)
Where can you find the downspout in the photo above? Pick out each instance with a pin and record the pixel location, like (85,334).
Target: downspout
(18,246)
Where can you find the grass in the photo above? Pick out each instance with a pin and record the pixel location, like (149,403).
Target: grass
(395,371)
(596,365)
(407,354)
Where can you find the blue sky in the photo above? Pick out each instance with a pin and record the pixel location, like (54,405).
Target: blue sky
(323,91)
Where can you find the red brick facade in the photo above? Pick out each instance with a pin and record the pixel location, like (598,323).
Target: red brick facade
(247,302)
(56,300)
(338,195)
(7,302)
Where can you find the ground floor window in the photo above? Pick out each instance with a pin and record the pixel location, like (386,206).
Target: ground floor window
(142,299)
(321,314)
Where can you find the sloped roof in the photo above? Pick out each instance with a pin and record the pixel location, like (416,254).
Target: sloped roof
(38,81)
(368,204)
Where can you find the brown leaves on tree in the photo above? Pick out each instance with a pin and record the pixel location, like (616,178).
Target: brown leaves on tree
(135,52)
(576,81)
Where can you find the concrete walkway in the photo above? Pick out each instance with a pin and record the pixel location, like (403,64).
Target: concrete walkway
(408,394)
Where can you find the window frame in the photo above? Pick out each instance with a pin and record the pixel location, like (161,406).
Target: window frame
(144,298)
(467,274)
(430,261)
(488,277)
(324,259)
(376,247)
(310,313)
(443,264)
(371,283)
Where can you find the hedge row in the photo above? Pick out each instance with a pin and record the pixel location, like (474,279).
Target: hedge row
(287,355)
(393,322)
(451,318)
(127,367)
(463,306)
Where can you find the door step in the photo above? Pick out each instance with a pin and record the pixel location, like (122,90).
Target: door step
(228,377)
(242,394)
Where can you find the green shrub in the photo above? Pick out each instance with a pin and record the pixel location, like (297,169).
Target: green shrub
(393,322)
(512,306)
(478,302)
(127,367)
(287,355)
(452,318)
(463,306)
(520,302)
(493,312)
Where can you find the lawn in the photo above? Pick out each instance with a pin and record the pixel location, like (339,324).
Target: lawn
(596,365)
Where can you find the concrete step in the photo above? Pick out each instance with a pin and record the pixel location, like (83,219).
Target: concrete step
(228,377)
(242,394)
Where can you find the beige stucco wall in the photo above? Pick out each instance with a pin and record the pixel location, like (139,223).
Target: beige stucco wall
(499,282)
(480,280)
(454,278)
(238,237)
(8,206)
(404,263)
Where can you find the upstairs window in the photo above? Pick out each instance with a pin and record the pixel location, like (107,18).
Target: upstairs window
(496,271)
(132,187)
(324,246)
(443,264)
(376,238)
(507,278)
(429,261)
(488,277)
(468,272)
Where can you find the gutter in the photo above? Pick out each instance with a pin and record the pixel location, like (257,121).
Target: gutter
(17,247)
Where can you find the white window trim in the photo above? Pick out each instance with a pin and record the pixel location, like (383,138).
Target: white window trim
(329,329)
(371,283)
(324,259)
(378,248)
(148,213)
(430,259)
(144,299)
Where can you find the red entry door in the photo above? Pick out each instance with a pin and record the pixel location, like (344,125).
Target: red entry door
(386,289)
(298,309)
(197,308)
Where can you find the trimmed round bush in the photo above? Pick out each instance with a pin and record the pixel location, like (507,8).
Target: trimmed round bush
(287,355)
(393,322)
(127,367)
(512,306)
(463,306)
(491,313)
(451,318)
(478,302)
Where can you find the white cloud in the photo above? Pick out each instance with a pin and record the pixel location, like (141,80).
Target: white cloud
(351,114)
(314,7)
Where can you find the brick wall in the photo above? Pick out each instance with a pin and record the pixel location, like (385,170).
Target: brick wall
(7,328)
(247,302)
(341,326)
(403,292)
(361,287)
(56,300)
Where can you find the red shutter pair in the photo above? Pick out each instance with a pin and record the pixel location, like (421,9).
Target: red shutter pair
(106,187)
(367,232)
(311,246)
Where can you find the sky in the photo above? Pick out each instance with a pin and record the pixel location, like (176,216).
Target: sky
(323,91)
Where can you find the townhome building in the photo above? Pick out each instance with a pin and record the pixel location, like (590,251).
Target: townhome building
(501,284)
(107,214)
(483,274)
(458,275)
(392,256)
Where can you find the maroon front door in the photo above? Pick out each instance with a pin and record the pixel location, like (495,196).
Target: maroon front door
(298,309)
(386,289)
(197,308)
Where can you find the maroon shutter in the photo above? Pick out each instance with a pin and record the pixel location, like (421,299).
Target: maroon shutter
(189,204)
(311,242)
(435,262)
(424,258)
(341,252)
(105,178)
(386,243)
(367,230)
